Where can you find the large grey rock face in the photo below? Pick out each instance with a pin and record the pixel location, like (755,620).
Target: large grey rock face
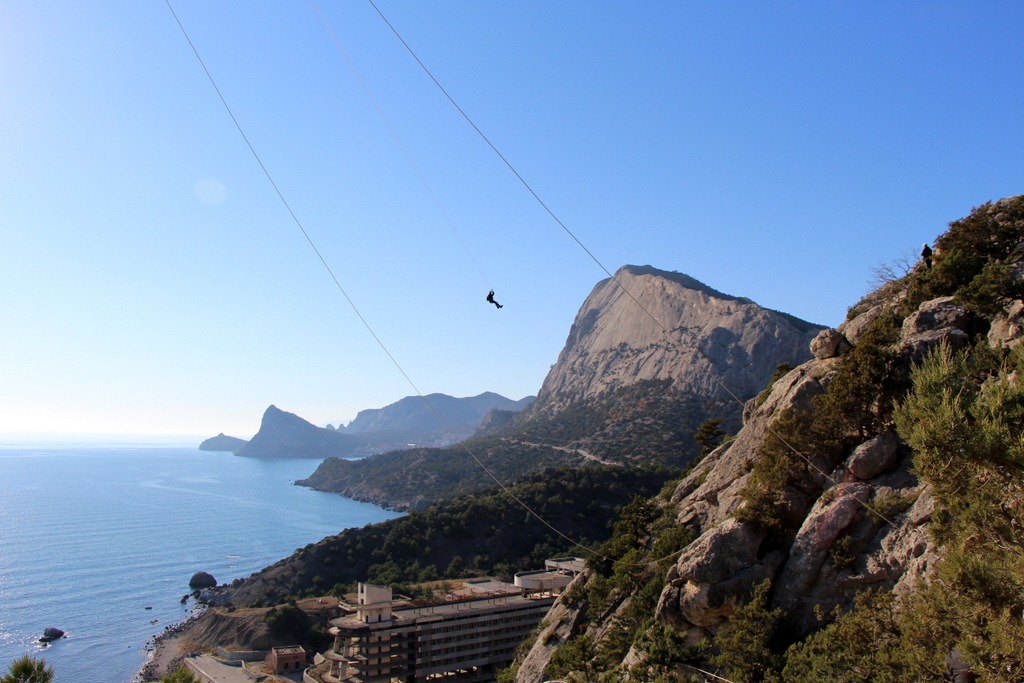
(855,535)
(714,341)
(713,576)
(711,492)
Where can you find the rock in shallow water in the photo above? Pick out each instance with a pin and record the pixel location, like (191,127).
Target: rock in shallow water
(202,580)
(51,633)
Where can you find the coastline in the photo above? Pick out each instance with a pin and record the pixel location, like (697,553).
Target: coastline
(167,651)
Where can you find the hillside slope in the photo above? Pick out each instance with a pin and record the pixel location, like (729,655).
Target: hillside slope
(865,522)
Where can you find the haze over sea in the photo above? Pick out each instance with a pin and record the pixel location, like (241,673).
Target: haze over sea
(93,533)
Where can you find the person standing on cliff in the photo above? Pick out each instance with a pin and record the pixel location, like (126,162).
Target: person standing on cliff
(926,254)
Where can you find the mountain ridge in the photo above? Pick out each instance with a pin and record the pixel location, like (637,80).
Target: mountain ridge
(648,414)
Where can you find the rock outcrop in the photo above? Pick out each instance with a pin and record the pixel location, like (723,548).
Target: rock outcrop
(223,443)
(859,523)
(50,634)
(847,541)
(201,580)
(285,435)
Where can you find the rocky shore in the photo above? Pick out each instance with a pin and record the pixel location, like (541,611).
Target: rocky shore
(167,650)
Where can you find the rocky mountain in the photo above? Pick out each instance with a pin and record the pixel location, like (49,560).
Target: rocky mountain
(623,391)
(650,357)
(650,324)
(222,442)
(432,420)
(286,435)
(864,523)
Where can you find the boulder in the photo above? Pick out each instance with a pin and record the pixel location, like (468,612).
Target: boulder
(936,314)
(51,633)
(713,576)
(829,517)
(874,456)
(1007,330)
(828,344)
(917,346)
(853,328)
(202,580)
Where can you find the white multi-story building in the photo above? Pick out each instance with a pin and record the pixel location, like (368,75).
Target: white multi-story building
(466,639)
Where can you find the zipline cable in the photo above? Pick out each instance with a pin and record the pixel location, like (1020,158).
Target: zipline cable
(394,134)
(352,304)
(487,140)
(579,242)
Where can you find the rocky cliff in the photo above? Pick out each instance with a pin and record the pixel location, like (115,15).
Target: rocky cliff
(285,435)
(889,459)
(650,324)
(650,357)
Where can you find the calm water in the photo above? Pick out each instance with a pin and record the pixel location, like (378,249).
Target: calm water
(90,535)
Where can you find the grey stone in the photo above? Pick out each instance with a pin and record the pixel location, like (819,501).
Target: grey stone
(874,456)
(829,344)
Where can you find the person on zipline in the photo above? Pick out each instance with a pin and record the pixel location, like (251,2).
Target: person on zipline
(490,299)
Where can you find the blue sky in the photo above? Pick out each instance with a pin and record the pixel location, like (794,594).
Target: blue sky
(151,280)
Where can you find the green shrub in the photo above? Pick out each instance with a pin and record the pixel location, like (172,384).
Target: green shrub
(744,641)
(27,669)
(778,466)
(576,655)
(861,646)
(888,504)
(972,260)
(842,553)
(780,371)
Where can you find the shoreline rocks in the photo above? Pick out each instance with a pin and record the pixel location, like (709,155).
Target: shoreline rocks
(201,580)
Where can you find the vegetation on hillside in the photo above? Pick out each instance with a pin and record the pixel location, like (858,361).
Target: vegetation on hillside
(481,534)
(180,675)
(963,416)
(649,421)
(399,478)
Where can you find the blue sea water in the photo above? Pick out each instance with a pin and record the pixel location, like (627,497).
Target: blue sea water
(93,534)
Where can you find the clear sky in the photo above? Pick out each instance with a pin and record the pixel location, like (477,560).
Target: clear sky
(152,281)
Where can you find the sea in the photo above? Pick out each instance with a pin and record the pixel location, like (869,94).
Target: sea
(101,539)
